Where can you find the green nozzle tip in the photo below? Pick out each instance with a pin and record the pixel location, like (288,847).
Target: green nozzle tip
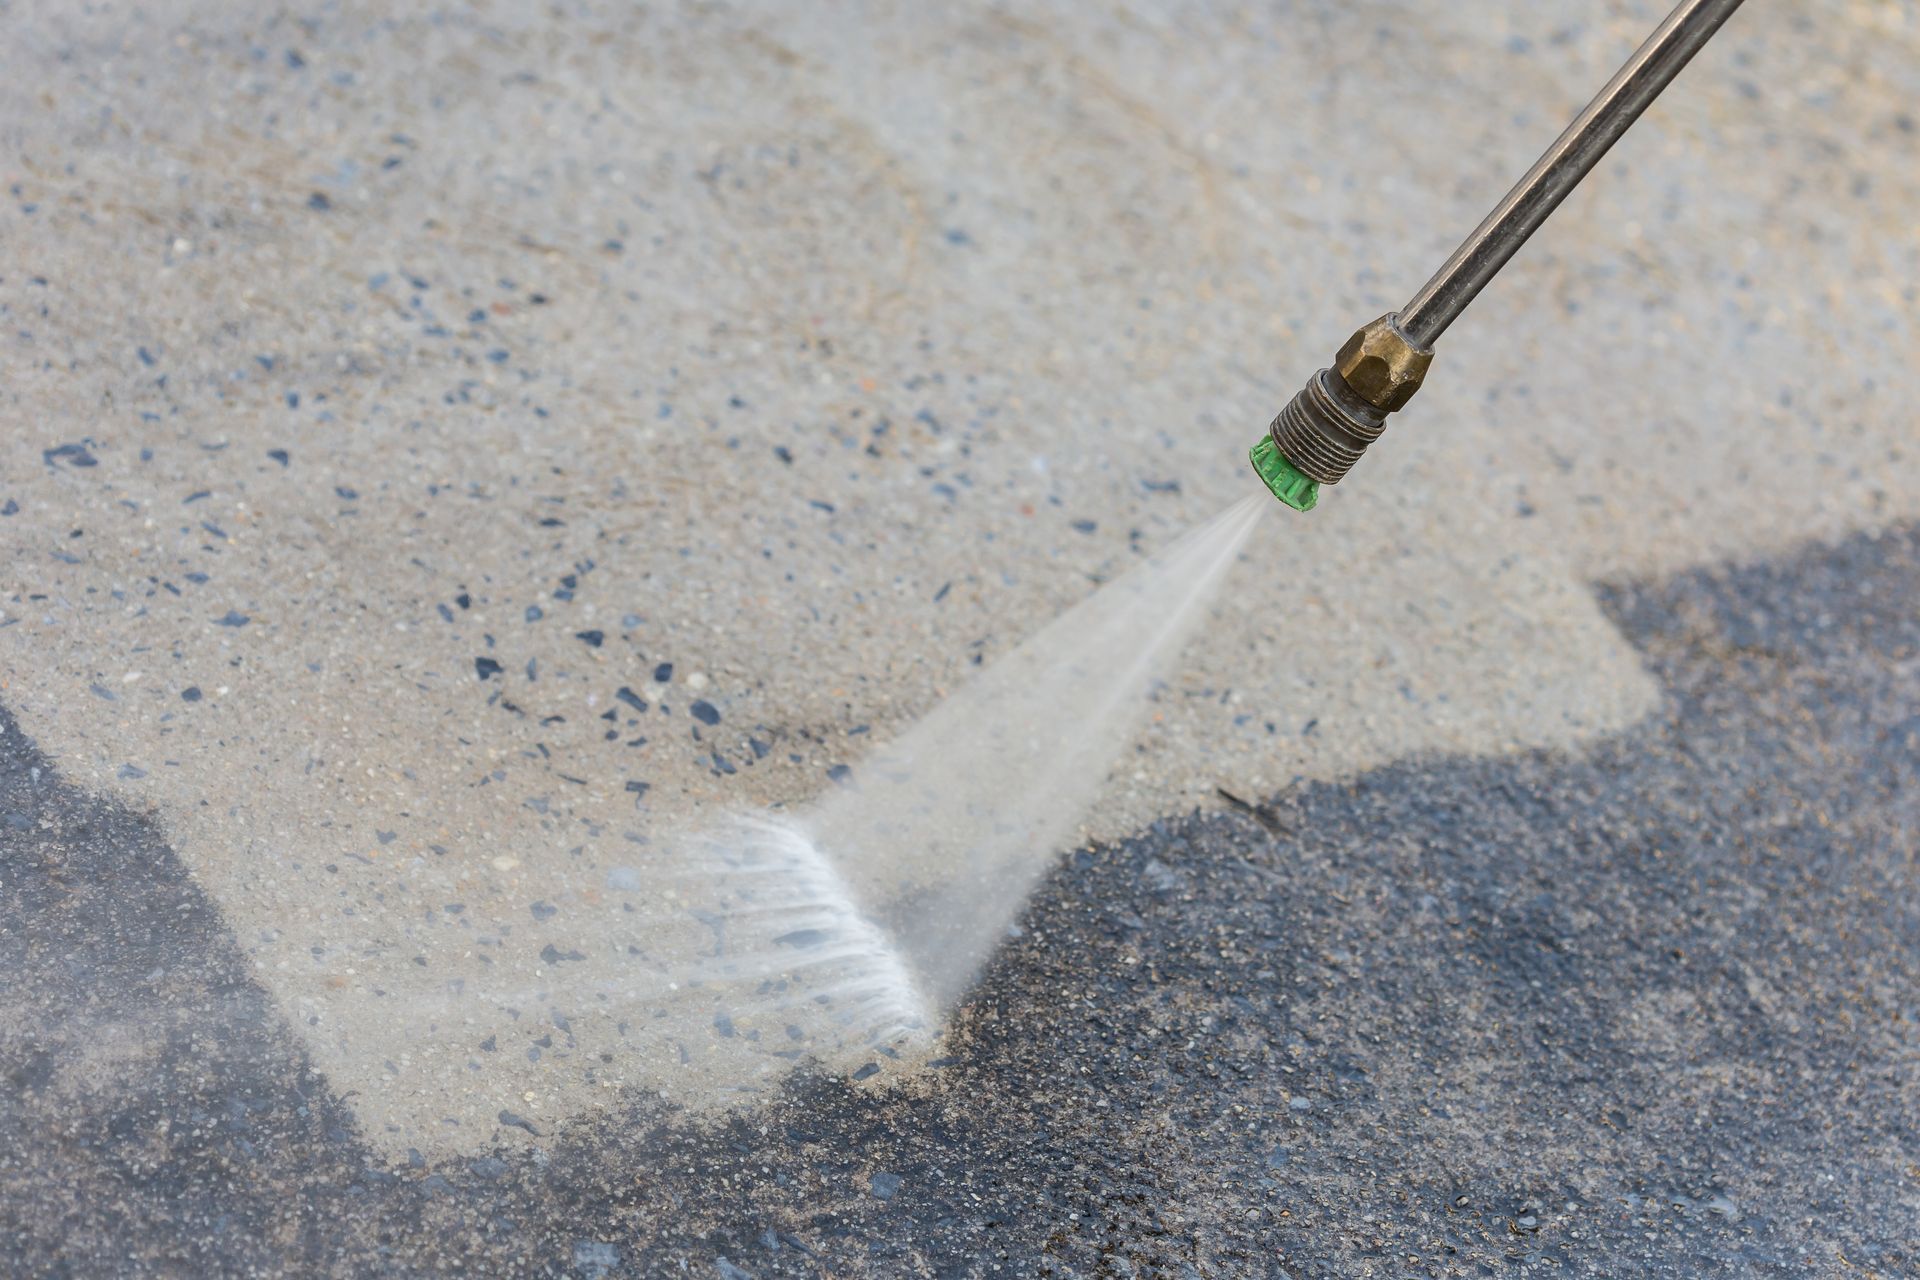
(1288,484)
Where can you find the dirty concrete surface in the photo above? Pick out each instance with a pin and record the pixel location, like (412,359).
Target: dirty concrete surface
(387,393)
(1646,1009)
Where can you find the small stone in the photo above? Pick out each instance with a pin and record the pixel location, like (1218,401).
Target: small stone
(884,1185)
(75,455)
(1161,878)
(594,1258)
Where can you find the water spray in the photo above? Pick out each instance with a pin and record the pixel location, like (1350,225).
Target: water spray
(1326,427)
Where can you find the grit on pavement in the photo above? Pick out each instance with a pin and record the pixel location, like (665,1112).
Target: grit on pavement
(445,451)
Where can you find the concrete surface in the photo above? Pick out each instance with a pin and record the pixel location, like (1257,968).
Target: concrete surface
(402,386)
(1643,1010)
(813,355)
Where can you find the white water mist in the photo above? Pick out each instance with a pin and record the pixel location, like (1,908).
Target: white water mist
(946,830)
(722,958)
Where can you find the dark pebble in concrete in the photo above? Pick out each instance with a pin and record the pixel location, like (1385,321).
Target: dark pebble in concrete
(74,455)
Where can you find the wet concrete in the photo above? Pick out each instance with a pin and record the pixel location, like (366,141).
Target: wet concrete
(1644,1009)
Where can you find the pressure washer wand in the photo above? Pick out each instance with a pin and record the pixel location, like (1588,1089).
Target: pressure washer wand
(1323,430)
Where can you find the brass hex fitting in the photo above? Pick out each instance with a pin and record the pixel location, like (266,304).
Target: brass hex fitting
(1381,364)
(1322,431)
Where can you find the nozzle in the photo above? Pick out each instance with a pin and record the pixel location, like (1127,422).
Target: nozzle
(1288,482)
(1326,427)
(1320,435)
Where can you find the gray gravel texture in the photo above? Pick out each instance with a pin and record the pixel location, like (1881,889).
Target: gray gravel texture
(1645,1010)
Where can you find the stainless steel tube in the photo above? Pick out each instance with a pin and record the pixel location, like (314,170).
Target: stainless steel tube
(1442,299)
